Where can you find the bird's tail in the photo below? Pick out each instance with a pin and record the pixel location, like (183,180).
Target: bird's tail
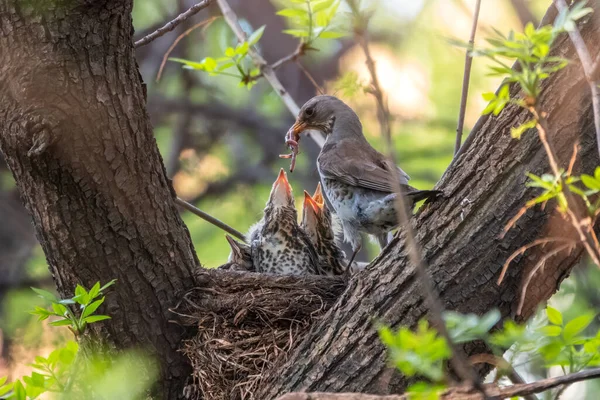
(428,195)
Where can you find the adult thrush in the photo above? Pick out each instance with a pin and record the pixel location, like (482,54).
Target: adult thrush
(357,179)
(317,222)
(278,244)
(240,257)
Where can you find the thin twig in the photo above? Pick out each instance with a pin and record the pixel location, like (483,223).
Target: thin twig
(169,26)
(590,68)
(528,246)
(537,266)
(310,77)
(460,392)
(466,77)
(266,70)
(209,218)
(458,360)
(501,365)
(550,383)
(172,46)
(299,52)
(578,218)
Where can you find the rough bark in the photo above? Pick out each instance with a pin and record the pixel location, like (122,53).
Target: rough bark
(76,136)
(460,239)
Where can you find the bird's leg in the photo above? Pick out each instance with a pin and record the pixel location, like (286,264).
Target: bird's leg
(349,266)
(382,239)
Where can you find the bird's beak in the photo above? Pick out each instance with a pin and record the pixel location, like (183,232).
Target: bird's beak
(309,213)
(318,197)
(235,248)
(297,129)
(310,203)
(281,193)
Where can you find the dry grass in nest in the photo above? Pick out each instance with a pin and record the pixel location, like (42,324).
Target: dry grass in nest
(247,324)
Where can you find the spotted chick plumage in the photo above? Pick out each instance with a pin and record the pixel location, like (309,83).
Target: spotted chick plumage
(278,243)
(318,223)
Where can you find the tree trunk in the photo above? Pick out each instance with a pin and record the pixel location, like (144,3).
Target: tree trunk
(460,240)
(76,137)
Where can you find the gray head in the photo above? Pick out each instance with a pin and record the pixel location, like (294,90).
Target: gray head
(329,115)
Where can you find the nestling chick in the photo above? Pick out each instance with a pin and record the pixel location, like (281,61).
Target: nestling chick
(278,244)
(240,257)
(317,222)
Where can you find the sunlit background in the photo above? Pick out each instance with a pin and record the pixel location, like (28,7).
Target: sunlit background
(220,143)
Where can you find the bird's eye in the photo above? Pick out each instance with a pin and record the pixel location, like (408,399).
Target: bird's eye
(309,112)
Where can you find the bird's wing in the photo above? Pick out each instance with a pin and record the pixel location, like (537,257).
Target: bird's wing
(371,171)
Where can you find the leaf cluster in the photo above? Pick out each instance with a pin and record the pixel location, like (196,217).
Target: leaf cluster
(530,50)
(234,62)
(585,186)
(424,353)
(311,19)
(87,302)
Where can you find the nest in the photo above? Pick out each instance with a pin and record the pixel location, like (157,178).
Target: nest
(247,324)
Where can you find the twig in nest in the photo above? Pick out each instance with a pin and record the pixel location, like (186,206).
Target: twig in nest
(247,324)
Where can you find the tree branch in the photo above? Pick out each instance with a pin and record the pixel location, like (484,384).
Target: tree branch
(266,69)
(463,393)
(466,77)
(169,26)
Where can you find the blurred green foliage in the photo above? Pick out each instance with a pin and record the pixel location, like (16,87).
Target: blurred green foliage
(68,373)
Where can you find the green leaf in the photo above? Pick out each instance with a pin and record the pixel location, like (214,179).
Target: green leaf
(89,310)
(242,49)
(3,380)
(189,64)
(322,19)
(19,392)
(229,52)
(95,290)
(5,388)
(551,330)
(296,32)
(321,5)
(209,64)
(107,285)
(576,326)
(256,35)
(80,290)
(45,294)
(293,12)
(519,130)
(488,96)
(332,35)
(37,379)
(96,318)
(554,316)
(42,313)
(226,65)
(61,322)
(59,309)
(590,182)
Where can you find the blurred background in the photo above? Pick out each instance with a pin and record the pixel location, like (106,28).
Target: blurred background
(220,142)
